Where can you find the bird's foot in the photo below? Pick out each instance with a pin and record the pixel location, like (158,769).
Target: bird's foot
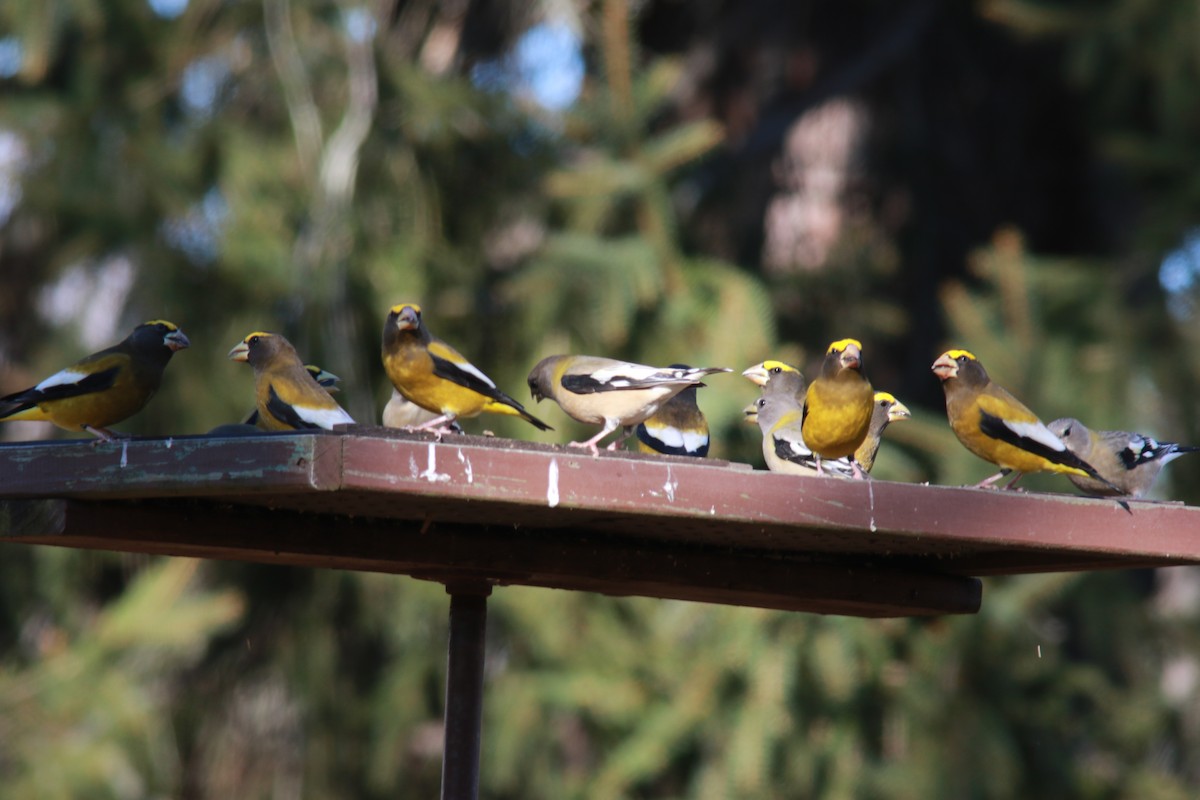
(615,443)
(1011,486)
(589,445)
(438,426)
(990,481)
(104,434)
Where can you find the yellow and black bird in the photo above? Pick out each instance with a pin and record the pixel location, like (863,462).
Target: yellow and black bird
(779,414)
(678,428)
(1128,462)
(607,392)
(328,381)
(998,427)
(104,388)
(286,395)
(838,404)
(887,410)
(436,377)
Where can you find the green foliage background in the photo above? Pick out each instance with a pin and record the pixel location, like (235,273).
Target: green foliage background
(1028,167)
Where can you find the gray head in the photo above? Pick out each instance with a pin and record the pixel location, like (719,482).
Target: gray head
(1074,434)
(779,396)
(540,377)
(786,383)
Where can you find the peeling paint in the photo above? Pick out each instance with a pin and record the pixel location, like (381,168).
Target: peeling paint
(871,500)
(670,486)
(552,484)
(431,474)
(413,469)
(170,442)
(466,462)
(124,454)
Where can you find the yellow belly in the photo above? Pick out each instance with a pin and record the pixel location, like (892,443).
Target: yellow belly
(97,410)
(836,432)
(1005,455)
(415,379)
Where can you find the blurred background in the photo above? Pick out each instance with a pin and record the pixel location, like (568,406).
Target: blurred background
(664,181)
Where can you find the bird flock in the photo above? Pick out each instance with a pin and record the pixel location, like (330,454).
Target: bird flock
(832,425)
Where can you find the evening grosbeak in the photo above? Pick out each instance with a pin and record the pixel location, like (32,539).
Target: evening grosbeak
(678,428)
(1128,462)
(887,410)
(603,391)
(328,381)
(287,396)
(435,376)
(760,374)
(838,404)
(104,388)
(997,427)
(779,415)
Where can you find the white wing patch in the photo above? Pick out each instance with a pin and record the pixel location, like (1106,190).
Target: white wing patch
(467,366)
(324,417)
(66,377)
(798,452)
(1138,450)
(1037,432)
(673,437)
(796,448)
(693,442)
(1141,450)
(623,373)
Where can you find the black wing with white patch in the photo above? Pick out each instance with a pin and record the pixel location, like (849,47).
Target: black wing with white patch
(621,376)
(283,411)
(997,428)
(1141,450)
(87,384)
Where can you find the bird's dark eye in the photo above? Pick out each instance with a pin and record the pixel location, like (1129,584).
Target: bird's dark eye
(761,403)
(775,370)
(253,340)
(883,403)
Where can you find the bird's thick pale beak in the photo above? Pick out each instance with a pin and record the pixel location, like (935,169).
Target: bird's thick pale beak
(176,340)
(240,352)
(898,411)
(757,375)
(945,368)
(751,412)
(851,357)
(407,319)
